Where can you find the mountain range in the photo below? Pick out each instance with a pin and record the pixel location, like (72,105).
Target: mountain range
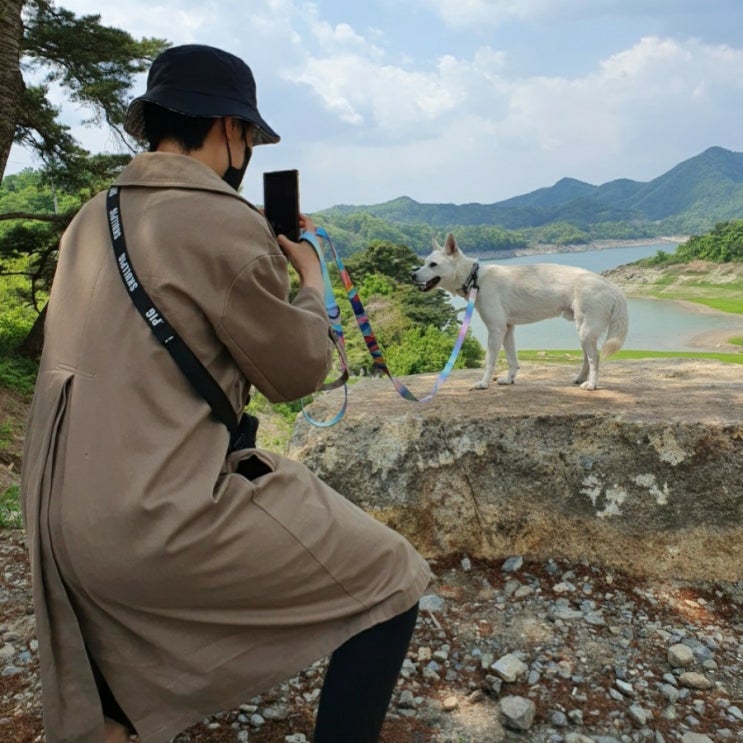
(691,197)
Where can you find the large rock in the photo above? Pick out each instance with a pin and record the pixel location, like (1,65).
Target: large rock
(644,474)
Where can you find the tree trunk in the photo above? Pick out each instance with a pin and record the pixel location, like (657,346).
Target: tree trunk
(11,80)
(33,343)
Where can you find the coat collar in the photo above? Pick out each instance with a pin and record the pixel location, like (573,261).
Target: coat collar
(168,170)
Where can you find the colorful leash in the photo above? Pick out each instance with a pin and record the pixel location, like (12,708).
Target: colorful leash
(470,288)
(334,315)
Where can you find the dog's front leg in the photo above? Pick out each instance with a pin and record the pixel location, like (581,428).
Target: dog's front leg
(509,346)
(495,337)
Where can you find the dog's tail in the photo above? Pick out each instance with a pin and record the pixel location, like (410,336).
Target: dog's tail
(618,326)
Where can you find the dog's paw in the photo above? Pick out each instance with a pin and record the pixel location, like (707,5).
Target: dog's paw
(506,380)
(589,385)
(481,386)
(579,380)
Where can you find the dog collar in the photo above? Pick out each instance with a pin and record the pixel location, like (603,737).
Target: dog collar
(471,282)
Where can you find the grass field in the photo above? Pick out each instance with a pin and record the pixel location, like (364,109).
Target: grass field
(572,356)
(718,286)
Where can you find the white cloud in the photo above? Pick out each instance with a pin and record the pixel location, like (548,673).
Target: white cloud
(172,19)
(363,89)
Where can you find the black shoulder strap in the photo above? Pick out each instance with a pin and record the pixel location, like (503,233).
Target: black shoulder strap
(194,370)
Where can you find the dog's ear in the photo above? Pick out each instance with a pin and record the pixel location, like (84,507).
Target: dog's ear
(434,244)
(451,245)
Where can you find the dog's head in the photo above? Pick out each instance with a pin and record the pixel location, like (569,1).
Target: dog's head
(445,267)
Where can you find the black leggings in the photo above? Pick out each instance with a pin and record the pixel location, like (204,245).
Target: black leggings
(357,689)
(360,680)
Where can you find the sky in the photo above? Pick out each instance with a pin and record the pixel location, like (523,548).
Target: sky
(460,101)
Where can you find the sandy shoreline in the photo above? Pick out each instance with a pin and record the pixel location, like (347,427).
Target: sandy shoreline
(717,340)
(712,340)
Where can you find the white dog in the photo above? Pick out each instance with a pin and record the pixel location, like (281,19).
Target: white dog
(516,295)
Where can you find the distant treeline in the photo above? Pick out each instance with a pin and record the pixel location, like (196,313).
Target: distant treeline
(352,233)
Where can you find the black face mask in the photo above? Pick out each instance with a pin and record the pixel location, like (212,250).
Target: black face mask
(234,176)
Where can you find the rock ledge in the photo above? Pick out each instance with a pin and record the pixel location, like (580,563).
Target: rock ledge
(644,474)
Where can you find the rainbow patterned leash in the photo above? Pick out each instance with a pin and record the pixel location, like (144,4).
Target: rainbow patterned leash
(362,321)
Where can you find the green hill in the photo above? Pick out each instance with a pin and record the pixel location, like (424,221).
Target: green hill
(690,198)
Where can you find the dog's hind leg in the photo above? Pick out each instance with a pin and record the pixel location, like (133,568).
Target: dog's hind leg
(583,373)
(590,360)
(509,346)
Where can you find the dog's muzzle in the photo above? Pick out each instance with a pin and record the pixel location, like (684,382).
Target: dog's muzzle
(424,286)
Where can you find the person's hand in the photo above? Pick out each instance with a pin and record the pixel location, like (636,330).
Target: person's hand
(306,224)
(302,256)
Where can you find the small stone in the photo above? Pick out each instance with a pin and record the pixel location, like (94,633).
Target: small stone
(563,587)
(512,564)
(575,716)
(693,680)
(407,700)
(563,612)
(695,738)
(671,693)
(477,696)
(518,713)
(450,704)
(638,715)
(558,719)
(615,695)
(680,656)
(510,668)
(431,602)
(424,654)
(7,652)
(277,712)
(487,660)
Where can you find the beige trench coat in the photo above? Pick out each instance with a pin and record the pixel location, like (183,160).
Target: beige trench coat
(190,586)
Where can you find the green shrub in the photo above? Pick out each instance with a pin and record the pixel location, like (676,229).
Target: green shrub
(18,373)
(10,509)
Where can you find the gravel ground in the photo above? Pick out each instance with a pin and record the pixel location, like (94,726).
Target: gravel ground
(547,652)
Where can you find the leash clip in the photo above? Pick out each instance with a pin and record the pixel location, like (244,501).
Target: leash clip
(471,282)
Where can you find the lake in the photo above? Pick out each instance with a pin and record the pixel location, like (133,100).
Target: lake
(655,324)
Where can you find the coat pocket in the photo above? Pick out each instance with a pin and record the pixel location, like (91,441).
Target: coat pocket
(250,463)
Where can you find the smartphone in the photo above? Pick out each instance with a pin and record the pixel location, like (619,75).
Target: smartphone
(281,202)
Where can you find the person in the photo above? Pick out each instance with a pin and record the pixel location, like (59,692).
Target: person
(167,585)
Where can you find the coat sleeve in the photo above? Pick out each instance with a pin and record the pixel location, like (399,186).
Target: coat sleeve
(283,348)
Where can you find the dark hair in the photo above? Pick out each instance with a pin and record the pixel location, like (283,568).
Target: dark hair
(188,131)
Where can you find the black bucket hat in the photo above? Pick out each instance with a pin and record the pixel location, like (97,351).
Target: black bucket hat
(198,80)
